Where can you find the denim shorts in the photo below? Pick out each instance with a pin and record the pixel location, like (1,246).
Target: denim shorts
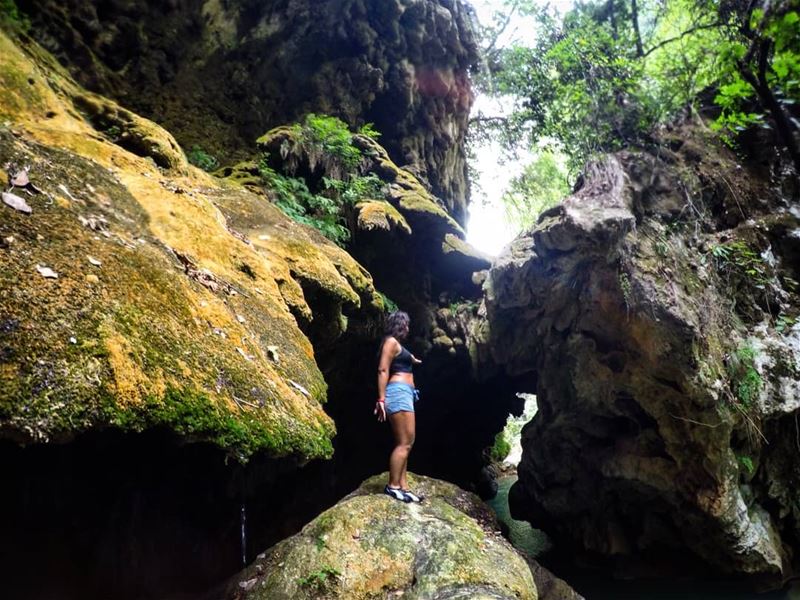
(399,397)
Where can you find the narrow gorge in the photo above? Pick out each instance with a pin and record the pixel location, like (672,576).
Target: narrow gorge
(188,340)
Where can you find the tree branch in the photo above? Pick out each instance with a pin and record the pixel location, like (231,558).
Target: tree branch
(682,35)
(491,47)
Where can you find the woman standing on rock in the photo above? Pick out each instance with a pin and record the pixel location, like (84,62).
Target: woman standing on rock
(396,397)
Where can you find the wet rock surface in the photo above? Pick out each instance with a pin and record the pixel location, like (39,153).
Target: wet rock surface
(219,74)
(647,306)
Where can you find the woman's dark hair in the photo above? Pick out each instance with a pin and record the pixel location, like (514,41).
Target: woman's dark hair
(396,324)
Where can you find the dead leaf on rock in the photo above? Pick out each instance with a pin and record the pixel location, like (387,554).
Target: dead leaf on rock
(16,203)
(46,272)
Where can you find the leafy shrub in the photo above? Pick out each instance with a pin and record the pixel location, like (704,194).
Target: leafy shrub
(368,130)
(746,382)
(329,205)
(328,211)
(202,159)
(294,198)
(542,184)
(11,15)
(389,305)
(500,448)
(608,72)
(737,259)
(326,137)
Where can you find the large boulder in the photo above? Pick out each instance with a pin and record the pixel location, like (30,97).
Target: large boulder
(219,74)
(138,292)
(371,546)
(655,309)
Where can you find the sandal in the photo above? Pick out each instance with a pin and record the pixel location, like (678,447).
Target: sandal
(412,497)
(397,494)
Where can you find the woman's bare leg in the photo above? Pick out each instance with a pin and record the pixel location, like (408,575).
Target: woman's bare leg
(404,429)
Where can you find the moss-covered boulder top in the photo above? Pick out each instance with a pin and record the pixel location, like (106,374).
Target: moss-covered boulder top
(138,292)
(371,546)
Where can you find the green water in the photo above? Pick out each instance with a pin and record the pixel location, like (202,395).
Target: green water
(524,537)
(597,585)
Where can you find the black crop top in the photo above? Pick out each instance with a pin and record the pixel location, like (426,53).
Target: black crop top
(401,363)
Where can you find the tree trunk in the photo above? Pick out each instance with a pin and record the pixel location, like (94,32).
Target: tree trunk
(635,21)
(761,86)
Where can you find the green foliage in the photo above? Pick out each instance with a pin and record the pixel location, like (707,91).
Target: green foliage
(606,73)
(542,184)
(292,196)
(202,159)
(389,305)
(326,211)
(784,322)
(354,189)
(322,578)
(329,137)
(767,56)
(746,382)
(368,130)
(512,431)
(746,463)
(500,448)
(738,260)
(329,204)
(10,15)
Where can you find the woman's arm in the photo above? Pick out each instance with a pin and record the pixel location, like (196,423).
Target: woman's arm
(390,349)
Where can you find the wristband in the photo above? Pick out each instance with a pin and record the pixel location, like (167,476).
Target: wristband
(381,401)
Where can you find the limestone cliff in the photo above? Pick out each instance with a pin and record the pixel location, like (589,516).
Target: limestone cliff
(219,74)
(136,296)
(657,309)
(156,321)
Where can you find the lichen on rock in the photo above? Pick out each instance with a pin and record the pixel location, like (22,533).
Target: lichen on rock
(369,546)
(174,298)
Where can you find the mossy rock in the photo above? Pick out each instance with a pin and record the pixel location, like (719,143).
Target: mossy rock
(374,214)
(177,296)
(371,546)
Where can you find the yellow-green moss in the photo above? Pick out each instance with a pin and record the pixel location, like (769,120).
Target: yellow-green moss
(370,546)
(140,136)
(373,214)
(140,341)
(453,243)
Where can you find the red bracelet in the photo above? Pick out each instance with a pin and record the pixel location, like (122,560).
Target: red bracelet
(381,401)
